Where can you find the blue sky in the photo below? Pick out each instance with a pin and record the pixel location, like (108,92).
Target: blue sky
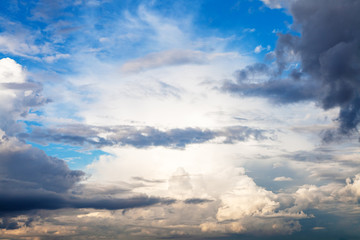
(179,119)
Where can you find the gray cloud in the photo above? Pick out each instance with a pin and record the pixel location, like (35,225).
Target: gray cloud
(327,49)
(197,200)
(18,95)
(139,137)
(26,166)
(9,223)
(166,58)
(282,91)
(17,202)
(30,179)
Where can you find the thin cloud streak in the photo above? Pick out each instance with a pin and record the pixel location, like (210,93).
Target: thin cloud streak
(141,137)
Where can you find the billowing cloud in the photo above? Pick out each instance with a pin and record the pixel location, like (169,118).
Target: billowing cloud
(17,95)
(322,62)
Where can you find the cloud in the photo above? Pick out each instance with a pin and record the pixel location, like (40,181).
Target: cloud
(276,4)
(35,200)
(140,137)
(197,200)
(282,179)
(283,91)
(9,223)
(322,61)
(31,166)
(260,48)
(165,58)
(329,54)
(249,208)
(17,95)
(32,180)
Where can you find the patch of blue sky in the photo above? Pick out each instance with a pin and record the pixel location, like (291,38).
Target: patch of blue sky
(118,31)
(28,125)
(76,157)
(37,112)
(249,22)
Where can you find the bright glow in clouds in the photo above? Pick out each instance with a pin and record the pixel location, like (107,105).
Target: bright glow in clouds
(150,120)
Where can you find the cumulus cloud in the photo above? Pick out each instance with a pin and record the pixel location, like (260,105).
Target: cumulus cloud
(322,62)
(249,208)
(17,95)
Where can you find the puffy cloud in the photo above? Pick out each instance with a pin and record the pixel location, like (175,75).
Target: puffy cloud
(17,96)
(351,191)
(246,199)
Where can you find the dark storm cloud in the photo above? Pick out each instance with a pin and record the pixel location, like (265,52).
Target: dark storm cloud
(139,137)
(30,179)
(277,90)
(9,223)
(31,166)
(328,50)
(18,202)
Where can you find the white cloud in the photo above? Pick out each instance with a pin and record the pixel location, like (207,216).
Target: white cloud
(276,4)
(260,48)
(11,72)
(246,199)
(282,179)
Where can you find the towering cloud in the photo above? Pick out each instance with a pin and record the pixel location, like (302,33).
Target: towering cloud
(327,48)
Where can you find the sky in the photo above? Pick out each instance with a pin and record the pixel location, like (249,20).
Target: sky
(201,119)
